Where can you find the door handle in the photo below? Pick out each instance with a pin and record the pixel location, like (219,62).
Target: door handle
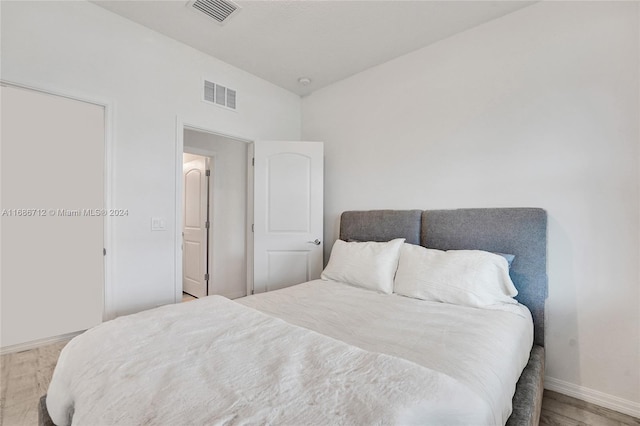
(316,242)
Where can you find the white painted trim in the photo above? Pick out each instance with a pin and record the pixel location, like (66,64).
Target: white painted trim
(250,217)
(54,92)
(212,165)
(37,343)
(234,295)
(109,166)
(181,125)
(108,312)
(593,396)
(177,280)
(215,132)
(200,152)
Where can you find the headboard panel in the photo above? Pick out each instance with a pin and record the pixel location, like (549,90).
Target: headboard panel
(518,231)
(381,225)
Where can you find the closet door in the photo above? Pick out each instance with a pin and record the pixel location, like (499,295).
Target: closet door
(52,224)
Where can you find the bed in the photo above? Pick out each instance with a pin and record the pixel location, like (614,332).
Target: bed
(327,351)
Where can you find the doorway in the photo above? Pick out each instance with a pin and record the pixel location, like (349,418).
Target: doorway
(223,264)
(196,171)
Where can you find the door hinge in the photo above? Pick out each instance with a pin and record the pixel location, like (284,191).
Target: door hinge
(206,277)
(253,161)
(208,173)
(104,251)
(206,224)
(253,227)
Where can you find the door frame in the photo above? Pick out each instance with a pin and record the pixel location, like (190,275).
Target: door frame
(108,311)
(181,125)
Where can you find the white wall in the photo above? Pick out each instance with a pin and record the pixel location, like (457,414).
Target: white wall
(536,109)
(149,80)
(227,244)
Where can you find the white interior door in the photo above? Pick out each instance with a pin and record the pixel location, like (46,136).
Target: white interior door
(288,213)
(52,218)
(195,214)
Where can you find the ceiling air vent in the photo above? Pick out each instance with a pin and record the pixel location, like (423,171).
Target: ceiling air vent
(219,10)
(219,95)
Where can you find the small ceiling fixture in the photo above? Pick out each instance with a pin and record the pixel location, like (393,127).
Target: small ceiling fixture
(305,81)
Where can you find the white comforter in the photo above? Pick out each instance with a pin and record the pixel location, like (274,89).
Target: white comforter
(214,361)
(485,349)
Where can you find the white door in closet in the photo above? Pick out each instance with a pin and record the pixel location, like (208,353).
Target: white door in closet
(52,223)
(288,213)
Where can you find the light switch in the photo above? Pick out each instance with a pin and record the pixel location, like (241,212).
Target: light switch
(158,224)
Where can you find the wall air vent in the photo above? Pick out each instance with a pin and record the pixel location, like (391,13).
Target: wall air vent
(219,95)
(219,10)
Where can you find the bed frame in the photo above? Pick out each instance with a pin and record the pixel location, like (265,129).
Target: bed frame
(518,231)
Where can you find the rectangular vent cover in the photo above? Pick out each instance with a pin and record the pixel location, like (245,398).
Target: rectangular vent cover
(219,95)
(219,10)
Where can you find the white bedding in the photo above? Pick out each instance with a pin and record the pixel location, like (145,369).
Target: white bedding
(213,361)
(485,349)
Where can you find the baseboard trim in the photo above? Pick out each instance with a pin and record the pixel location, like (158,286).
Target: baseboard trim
(37,343)
(236,295)
(593,396)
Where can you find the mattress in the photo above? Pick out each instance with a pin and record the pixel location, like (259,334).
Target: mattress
(483,348)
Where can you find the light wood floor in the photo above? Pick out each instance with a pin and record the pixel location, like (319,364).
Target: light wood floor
(26,376)
(187,297)
(562,410)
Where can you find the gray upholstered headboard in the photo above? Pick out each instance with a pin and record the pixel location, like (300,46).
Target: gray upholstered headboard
(518,231)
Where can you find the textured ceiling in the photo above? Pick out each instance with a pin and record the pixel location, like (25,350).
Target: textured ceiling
(325,41)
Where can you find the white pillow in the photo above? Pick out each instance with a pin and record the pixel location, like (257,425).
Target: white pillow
(369,265)
(463,277)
